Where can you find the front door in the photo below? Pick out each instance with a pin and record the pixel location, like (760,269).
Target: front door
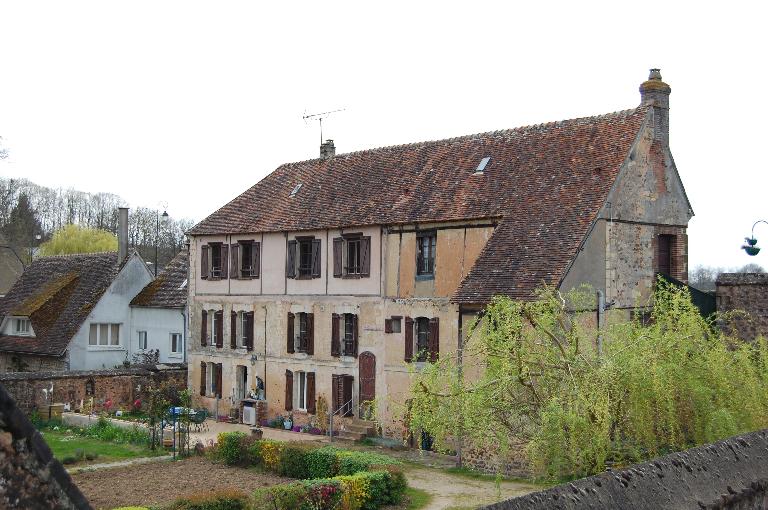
(367,381)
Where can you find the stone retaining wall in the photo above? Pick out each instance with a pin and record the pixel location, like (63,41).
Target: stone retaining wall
(121,387)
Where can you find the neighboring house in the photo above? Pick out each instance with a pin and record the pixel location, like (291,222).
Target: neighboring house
(70,312)
(745,296)
(330,276)
(10,266)
(158,313)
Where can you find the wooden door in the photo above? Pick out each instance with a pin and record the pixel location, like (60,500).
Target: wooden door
(367,379)
(347,394)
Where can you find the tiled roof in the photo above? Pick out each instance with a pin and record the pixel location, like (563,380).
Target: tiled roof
(57,293)
(169,289)
(546,182)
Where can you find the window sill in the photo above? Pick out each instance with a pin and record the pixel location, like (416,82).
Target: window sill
(348,359)
(301,355)
(106,348)
(424,277)
(247,278)
(176,355)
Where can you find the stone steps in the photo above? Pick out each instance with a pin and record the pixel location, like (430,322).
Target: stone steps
(357,430)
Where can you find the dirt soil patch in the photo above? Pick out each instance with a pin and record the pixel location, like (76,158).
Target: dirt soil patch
(162,482)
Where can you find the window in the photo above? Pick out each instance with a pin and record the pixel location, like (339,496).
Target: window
(422,337)
(301,329)
(104,335)
(351,256)
(664,254)
(176,344)
(344,334)
(245,260)
(217,328)
(213,261)
(426,243)
(214,371)
(350,334)
(341,394)
(142,340)
(22,326)
(303,258)
(301,391)
(242,338)
(301,333)
(393,324)
(241,383)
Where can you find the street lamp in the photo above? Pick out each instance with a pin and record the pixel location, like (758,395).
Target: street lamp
(164,217)
(751,242)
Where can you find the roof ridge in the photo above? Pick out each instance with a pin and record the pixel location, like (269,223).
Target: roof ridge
(452,139)
(73,255)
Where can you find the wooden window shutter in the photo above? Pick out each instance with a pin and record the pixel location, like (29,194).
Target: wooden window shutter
(365,256)
(310,333)
(387,325)
(233,330)
(204,329)
(204,267)
(224,261)
(255,259)
(338,247)
(408,339)
(290,264)
(316,259)
(290,340)
(219,318)
(434,339)
(288,390)
(219,371)
(311,406)
(203,377)
(355,327)
(335,342)
(334,394)
(234,270)
(249,331)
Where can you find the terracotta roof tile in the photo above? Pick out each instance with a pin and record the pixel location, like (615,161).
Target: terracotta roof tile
(169,289)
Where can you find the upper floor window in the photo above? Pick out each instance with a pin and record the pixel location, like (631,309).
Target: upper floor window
(142,340)
(301,336)
(426,245)
(303,258)
(344,334)
(422,336)
(245,259)
(214,261)
(22,326)
(104,335)
(352,256)
(393,324)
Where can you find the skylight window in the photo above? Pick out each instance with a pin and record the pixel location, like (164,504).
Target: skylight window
(481,167)
(295,190)
(183,285)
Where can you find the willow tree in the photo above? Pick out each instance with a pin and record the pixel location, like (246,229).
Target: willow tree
(75,239)
(531,375)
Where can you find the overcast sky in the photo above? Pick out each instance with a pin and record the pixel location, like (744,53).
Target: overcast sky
(190,103)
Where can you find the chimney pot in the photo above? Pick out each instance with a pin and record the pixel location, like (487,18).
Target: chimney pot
(654,91)
(327,149)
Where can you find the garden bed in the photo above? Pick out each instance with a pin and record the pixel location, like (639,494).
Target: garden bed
(74,450)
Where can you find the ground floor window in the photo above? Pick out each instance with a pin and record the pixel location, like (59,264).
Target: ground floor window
(104,334)
(214,379)
(177,346)
(300,398)
(142,340)
(241,383)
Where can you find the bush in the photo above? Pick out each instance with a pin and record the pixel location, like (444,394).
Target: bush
(322,463)
(396,485)
(69,459)
(270,454)
(293,460)
(219,500)
(289,496)
(229,448)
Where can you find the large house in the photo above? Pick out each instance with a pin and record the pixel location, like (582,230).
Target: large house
(331,276)
(94,311)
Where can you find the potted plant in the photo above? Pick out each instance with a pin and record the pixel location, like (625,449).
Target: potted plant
(288,423)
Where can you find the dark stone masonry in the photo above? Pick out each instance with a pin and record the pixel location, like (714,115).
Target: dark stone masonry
(747,292)
(730,474)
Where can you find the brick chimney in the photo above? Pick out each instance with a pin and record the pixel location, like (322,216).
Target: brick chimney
(327,149)
(122,234)
(654,92)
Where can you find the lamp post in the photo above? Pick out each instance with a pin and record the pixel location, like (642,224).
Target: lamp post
(157,231)
(750,245)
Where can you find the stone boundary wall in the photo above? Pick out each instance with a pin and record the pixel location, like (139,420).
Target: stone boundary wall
(747,292)
(729,474)
(513,464)
(122,386)
(30,477)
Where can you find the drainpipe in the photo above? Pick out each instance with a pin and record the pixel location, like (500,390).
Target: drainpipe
(265,351)
(184,333)
(600,321)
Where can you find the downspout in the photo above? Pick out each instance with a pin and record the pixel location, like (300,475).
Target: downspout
(460,369)
(265,351)
(184,334)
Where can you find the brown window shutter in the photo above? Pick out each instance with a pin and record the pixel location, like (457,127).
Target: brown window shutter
(387,325)
(288,390)
(203,377)
(365,256)
(249,331)
(334,394)
(311,407)
(290,264)
(316,259)
(219,371)
(204,329)
(335,342)
(234,269)
(204,268)
(434,339)
(408,339)
(338,246)
(354,335)
(310,333)
(255,259)
(233,330)
(290,339)
(219,318)
(224,261)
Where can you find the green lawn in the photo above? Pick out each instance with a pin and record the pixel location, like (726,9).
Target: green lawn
(417,498)
(65,445)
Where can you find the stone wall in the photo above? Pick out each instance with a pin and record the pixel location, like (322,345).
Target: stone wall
(12,362)
(729,474)
(747,292)
(29,475)
(512,464)
(122,387)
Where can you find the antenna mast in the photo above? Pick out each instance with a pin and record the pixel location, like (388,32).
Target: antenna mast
(320,117)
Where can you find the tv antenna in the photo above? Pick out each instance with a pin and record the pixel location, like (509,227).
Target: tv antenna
(320,117)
